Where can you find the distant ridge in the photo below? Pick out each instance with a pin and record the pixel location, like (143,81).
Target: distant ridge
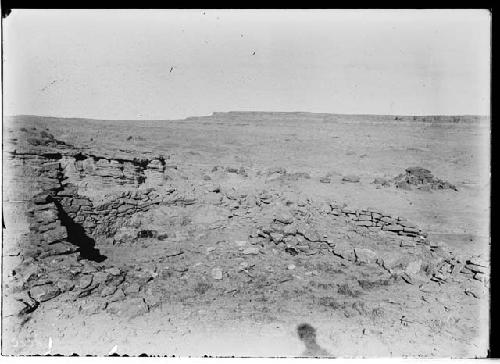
(310,116)
(301,116)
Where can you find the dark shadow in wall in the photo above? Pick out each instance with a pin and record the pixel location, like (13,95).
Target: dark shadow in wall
(78,237)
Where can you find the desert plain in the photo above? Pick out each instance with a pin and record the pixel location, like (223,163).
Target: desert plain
(219,235)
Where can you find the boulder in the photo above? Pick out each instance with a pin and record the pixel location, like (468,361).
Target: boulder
(44,292)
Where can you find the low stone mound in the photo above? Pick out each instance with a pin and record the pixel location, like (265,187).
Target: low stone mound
(423,179)
(417,177)
(37,137)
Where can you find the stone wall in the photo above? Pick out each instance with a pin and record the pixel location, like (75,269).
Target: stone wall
(377,220)
(58,255)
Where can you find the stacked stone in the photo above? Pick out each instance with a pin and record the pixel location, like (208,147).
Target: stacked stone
(376,220)
(422,178)
(46,241)
(47,235)
(47,254)
(50,264)
(113,171)
(97,218)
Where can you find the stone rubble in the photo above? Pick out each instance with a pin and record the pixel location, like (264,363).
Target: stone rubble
(417,177)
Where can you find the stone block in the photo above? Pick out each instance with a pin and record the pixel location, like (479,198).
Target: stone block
(410,230)
(365,256)
(344,250)
(476,268)
(393,227)
(388,220)
(57,234)
(44,292)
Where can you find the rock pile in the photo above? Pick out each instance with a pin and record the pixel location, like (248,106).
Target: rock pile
(43,138)
(417,177)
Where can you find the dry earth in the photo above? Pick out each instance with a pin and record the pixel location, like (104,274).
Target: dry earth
(219,235)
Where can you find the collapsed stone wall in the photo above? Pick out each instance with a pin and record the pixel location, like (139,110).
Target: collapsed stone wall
(377,220)
(405,250)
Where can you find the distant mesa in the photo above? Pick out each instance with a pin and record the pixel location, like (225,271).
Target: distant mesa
(269,116)
(330,117)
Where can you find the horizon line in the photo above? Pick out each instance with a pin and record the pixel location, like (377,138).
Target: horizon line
(255,111)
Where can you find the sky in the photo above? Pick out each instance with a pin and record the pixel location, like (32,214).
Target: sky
(172,64)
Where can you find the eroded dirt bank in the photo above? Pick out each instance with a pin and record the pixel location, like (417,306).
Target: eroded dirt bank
(150,251)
